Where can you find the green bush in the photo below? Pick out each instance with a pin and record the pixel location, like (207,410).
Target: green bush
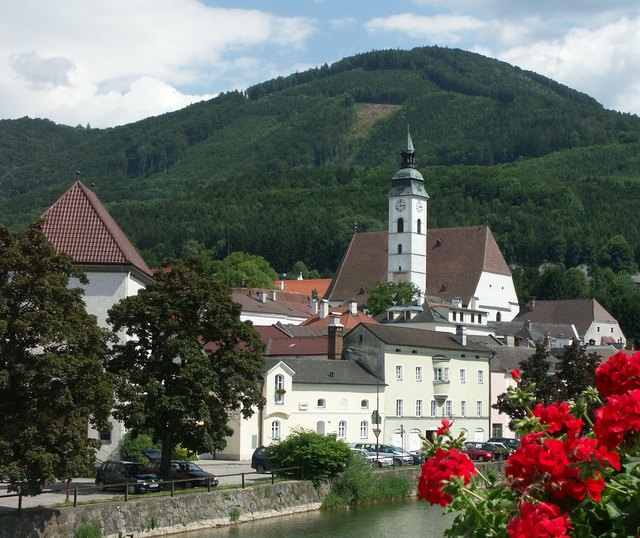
(88,530)
(130,448)
(319,457)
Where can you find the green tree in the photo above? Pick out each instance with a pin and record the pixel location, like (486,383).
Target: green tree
(240,269)
(534,371)
(577,372)
(618,255)
(52,379)
(388,294)
(320,456)
(190,363)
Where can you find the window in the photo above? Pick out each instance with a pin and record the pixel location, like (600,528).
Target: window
(400,249)
(463,375)
(275,429)
(279,388)
(434,408)
(496,430)
(418,408)
(105,436)
(399,405)
(320,427)
(479,408)
(364,429)
(441,374)
(473,318)
(461,316)
(344,403)
(454,316)
(419,226)
(419,374)
(364,404)
(398,372)
(400,226)
(321,403)
(342,429)
(463,408)
(499,316)
(448,408)
(480,377)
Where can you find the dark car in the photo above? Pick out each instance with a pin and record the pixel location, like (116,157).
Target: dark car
(130,474)
(509,442)
(187,473)
(260,460)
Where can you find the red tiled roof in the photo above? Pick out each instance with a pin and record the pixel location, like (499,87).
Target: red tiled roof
(297,346)
(456,257)
(346,319)
(306,287)
(80,226)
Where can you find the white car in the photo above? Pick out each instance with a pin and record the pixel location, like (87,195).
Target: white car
(382,459)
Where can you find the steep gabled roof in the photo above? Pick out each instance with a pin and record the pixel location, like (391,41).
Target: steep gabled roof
(579,312)
(80,226)
(456,257)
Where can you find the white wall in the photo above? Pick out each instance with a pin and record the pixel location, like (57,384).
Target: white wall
(496,293)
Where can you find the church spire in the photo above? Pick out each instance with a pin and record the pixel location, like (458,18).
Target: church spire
(409,154)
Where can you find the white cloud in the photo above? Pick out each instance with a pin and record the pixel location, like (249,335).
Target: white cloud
(438,28)
(77,56)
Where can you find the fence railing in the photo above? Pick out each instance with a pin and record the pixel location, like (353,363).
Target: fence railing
(73,491)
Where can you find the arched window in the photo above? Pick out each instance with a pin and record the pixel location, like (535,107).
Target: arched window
(400,225)
(275,429)
(419,226)
(321,403)
(279,388)
(364,404)
(399,249)
(342,429)
(499,316)
(320,427)
(364,429)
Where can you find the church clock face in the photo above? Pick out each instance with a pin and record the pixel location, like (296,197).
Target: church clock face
(401,205)
(419,206)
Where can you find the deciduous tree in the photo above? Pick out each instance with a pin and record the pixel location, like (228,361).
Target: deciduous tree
(52,379)
(388,294)
(190,363)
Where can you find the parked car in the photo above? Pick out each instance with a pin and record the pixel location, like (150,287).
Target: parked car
(400,456)
(477,454)
(382,459)
(500,452)
(260,460)
(130,474)
(188,473)
(509,442)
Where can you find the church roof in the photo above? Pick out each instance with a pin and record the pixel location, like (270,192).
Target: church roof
(80,226)
(456,258)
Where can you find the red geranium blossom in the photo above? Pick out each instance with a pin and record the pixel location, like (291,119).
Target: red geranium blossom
(438,470)
(542,520)
(515,374)
(619,417)
(558,419)
(620,374)
(445,429)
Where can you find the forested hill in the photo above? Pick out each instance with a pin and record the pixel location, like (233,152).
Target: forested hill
(291,167)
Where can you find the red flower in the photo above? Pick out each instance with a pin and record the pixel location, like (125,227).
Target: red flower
(438,470)
(619,417)
(620,374)
(558,419)
(445,429)
(515,373)
(541,520)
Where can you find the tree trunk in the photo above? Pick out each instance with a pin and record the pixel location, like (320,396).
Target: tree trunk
(167,448)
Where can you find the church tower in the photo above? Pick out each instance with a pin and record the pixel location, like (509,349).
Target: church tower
(407,251)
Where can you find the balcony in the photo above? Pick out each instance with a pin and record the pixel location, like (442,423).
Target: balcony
(440,389)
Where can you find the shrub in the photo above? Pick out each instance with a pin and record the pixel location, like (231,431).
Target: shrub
(319,457)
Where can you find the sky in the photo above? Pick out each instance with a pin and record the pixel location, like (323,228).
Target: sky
(111,62)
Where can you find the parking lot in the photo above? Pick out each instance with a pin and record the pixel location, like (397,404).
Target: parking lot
(228,472)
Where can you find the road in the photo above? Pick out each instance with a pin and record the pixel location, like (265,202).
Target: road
(228,473)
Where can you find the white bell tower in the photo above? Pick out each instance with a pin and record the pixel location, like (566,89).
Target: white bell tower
(407,254)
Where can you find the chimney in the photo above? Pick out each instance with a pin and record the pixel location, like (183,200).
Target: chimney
(461,334)
(324,309)
(457,302)
(420,299)
(353,308)
(281,285)
(532,304)
(262,296)
(314,306)
(474,303)
(336,332)
(273,295)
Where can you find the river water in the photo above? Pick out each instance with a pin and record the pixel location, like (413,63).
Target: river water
(406,519)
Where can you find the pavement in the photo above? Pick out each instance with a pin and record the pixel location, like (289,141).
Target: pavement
(229,473)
